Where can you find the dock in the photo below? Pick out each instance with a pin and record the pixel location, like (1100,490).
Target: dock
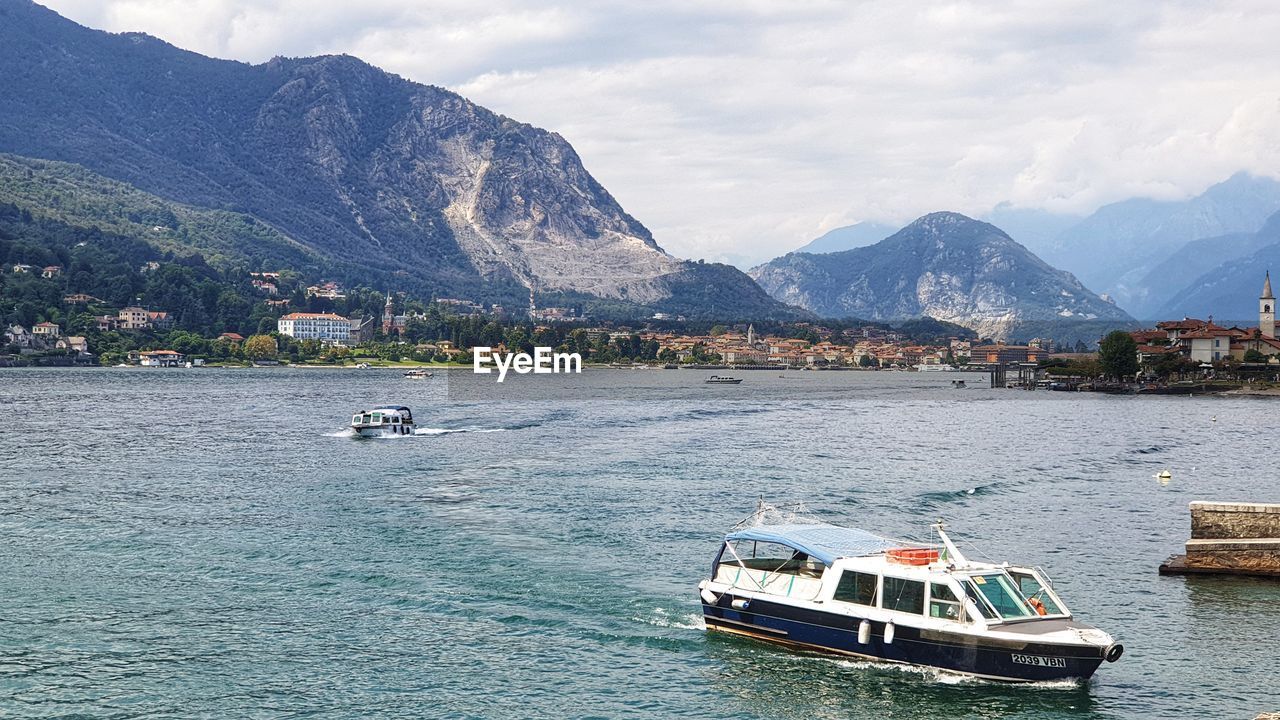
(1230,539)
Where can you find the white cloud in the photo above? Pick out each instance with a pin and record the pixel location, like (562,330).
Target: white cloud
(740,130)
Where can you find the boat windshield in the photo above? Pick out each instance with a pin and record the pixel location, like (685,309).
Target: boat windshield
(1000,594)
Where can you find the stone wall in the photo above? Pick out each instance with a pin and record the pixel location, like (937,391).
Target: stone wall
(1240,537)
(1232,521)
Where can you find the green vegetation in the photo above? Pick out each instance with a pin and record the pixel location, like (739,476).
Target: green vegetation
(1118,355)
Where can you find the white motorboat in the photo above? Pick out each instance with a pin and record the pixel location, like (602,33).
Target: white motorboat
(383,421)
(854,593)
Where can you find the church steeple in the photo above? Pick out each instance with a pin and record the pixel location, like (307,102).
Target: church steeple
(388,316)
(1267,310)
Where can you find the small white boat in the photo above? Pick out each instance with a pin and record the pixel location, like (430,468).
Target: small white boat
(417,374)
(722,380)
(934,367)
(854,593)
(383,421)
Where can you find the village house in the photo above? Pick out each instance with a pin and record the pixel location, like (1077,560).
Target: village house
(1003,354)
(79,299)
(18,335)
(331,290)
(20,268)
(46,331)
(51,271)
(73,342)
(264,286)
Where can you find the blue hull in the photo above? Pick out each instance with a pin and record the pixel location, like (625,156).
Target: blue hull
(998,659)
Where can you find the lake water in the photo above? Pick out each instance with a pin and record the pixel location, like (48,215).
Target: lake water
(210,543)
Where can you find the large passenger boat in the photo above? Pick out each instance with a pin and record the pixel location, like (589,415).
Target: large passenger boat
(384,421)
(851,592)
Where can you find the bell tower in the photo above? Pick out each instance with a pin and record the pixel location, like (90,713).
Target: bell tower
(388,316)
(1267,310)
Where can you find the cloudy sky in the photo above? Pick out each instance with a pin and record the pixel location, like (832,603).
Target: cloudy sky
(741,129)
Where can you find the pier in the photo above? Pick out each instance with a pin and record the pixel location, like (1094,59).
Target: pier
(1230,539)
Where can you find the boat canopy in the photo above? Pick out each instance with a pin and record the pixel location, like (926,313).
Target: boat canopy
(827,543)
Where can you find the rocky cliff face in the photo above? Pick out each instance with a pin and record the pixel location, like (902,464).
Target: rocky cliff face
(943,265)
(359,164)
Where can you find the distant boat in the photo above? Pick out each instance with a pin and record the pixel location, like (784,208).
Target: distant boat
(417,374)
(383,421)
(934,368)
(957,384)
(722,380)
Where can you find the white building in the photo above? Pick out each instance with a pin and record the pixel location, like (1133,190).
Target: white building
(325,327)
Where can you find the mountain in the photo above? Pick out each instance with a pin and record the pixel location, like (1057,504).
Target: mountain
(945,266)
(1228,290)
(849,237)
(1115,249)
(415,184)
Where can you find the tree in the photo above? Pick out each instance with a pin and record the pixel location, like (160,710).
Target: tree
(1253,356)
(260,347)
(1118,355)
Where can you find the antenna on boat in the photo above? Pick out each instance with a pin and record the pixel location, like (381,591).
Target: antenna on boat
(951,555)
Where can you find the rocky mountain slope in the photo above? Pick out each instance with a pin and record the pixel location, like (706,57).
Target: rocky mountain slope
(359,165)
(943,265)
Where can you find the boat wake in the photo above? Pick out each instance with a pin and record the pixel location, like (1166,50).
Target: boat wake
(348,432)
(448,431)
(664,619)
(945,677)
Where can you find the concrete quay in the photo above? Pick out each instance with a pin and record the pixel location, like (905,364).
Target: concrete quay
(1230,539)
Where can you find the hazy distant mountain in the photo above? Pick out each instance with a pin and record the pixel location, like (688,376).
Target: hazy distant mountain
(1228,290)
(943,265)
(849,237)
(1115,249)
(360,166)
(1034,228)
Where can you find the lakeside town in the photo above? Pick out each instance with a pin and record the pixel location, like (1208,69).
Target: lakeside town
(442,331)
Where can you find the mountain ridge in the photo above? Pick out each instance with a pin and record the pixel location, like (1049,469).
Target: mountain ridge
(943,265)
(360,165)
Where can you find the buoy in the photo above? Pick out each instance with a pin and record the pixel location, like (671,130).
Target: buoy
(1165,475)
(888,633)
(864,632)
(1213,419)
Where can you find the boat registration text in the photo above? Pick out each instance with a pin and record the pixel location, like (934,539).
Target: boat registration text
(1055,662)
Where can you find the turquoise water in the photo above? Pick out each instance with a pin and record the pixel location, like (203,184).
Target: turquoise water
(209,543)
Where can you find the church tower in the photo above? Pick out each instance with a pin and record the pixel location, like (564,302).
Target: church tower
(388,316)
(1267,310)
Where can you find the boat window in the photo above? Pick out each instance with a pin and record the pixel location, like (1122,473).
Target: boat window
(377,418)
(943,603)
(772,557)
(856,587)
(983,606)
(355,419)
(1030,586)
(903,595)
(998,588)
